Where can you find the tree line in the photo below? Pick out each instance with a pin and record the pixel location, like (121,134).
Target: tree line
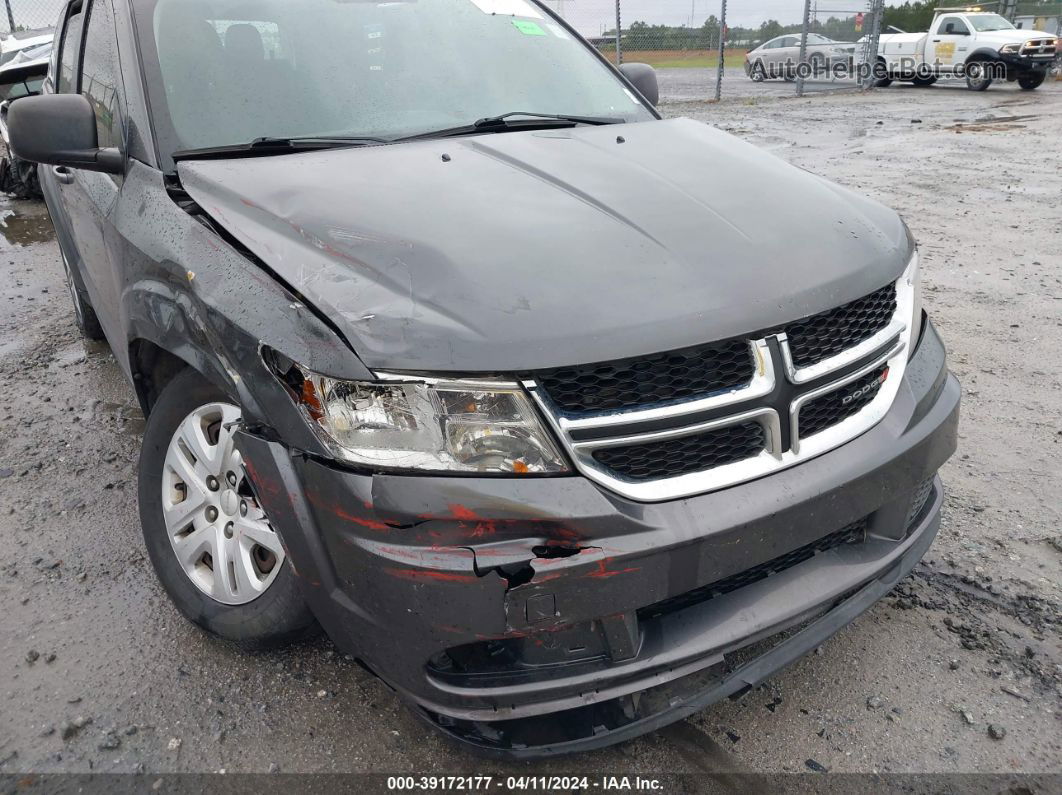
(910,16)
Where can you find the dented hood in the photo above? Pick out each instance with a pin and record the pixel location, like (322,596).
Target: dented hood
(526,250)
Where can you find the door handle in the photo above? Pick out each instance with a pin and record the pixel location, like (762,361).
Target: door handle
(63,174)
(935,40)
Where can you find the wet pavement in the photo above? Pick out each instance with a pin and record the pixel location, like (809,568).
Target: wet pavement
(682,85)
(958,670)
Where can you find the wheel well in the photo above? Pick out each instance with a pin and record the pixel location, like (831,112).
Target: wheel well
(982,56)
(152,369)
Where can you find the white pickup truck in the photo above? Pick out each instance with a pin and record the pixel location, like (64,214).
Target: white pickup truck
(966,42)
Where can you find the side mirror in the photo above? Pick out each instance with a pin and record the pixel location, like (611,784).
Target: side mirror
(60,130)
(643,76)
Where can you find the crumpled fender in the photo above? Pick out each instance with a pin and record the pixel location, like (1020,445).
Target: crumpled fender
(194,295)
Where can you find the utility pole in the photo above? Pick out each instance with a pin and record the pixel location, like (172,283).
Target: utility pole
(803,49)
(870,49)
(722,54)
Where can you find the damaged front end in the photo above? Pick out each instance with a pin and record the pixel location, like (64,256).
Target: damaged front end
(536,615)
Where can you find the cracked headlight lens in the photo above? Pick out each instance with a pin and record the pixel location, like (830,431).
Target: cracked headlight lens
(471,426)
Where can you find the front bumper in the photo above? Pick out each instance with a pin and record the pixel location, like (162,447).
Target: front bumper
(1021,65)
(547,615)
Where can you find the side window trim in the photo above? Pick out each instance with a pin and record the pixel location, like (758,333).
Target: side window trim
(72,10)
(89,7)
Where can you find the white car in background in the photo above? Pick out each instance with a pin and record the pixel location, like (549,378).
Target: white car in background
(780,56)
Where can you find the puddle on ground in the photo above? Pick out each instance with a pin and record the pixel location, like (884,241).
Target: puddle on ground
(991,123)
(25,230)
(129,418)
(1004,119)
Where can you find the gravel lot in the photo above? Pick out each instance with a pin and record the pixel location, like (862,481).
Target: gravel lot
(98,672)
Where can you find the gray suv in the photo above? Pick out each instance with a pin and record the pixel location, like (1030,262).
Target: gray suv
(565,420)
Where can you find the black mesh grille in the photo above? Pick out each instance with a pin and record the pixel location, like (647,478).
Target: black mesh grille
(918,501)
(678,375)
(688,454)
(828,410)
(854,533)
(702,370)
(830,333)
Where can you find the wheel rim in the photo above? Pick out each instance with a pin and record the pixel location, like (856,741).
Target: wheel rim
(976,76)
(218,531)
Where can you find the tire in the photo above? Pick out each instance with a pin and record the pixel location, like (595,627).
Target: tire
(881,82)
(264,613)
(975,82)
(818,64)
(84,315)
(758,74)
(1031,82)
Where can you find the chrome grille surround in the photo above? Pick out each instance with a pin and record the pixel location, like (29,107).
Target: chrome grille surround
(773,397)
(1039,48)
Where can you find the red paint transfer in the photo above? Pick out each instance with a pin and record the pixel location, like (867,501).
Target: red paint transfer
(430,575)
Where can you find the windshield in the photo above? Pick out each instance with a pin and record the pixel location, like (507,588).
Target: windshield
(227,72)
(21,88)
(987,22)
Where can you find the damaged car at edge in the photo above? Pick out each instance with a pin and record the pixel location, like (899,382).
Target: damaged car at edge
(471,359)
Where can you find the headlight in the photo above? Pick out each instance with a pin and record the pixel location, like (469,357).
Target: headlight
(472,426)
(1010,49)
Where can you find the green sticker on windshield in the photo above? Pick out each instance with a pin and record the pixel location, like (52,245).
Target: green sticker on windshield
(528,28)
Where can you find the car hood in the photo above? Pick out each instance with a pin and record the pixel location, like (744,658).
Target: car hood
(1001,37)
(526,250)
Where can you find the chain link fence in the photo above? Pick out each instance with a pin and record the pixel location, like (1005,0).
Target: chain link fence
(23,16)
(703,49)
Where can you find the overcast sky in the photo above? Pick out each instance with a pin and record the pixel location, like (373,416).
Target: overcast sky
(590,15)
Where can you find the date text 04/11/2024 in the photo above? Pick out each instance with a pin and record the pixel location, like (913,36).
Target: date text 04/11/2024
(522,783)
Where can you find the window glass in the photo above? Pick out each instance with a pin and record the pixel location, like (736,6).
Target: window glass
(985,23)
(228,72)
(20,88)
(268,32)
(71,47)
(958,27)
(99,73)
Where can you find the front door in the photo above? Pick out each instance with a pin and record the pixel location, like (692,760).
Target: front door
(949,44)
(91,197)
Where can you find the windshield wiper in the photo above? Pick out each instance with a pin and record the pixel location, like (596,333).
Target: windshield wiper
(262,147)
(506,123)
